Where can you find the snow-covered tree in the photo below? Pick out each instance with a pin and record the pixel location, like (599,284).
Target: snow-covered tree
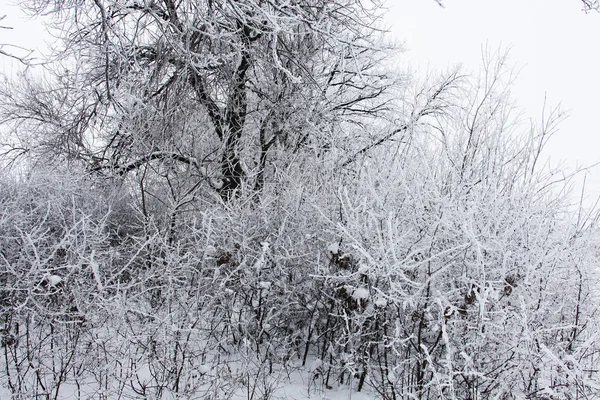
(460,271)
(220,196)
(209,87)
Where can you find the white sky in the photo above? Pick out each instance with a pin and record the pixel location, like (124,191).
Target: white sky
(554,43)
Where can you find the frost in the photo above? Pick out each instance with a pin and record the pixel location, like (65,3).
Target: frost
(399,267)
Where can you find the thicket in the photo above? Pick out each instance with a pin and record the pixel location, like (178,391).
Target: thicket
(411,242)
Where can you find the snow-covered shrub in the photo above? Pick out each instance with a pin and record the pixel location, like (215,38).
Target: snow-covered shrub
(443,265)
(463,274)
(54,253)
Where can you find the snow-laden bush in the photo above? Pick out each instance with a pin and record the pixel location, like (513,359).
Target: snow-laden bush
(53,252)
(446,264)
(463,273)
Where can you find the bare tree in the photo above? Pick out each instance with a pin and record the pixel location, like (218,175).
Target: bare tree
(588,5)
(6,53)
(209,84)
(591,5)
(459,272)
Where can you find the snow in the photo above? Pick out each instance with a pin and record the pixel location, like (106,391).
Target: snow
(53,280)
(265,285)
(260,263)
(333,248)
(210,251)
(300,388)
(96,273)
(216,183)
(380,302)
(391,376)
(315,366)
(363,269)
(360,293)
(204,369)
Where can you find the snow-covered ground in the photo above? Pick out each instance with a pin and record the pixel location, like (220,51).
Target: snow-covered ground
(200,383)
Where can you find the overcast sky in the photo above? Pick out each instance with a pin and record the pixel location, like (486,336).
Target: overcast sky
(553,42)
(555,45)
